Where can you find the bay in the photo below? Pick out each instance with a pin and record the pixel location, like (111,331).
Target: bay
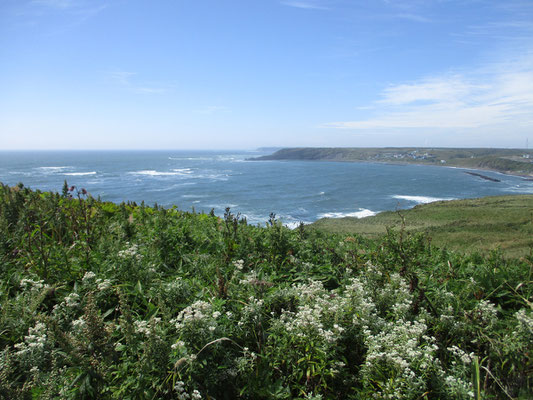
(294,190)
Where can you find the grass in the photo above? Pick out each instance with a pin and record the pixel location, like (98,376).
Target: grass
(483,224)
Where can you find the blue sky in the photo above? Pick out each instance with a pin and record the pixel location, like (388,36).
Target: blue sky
(217,74)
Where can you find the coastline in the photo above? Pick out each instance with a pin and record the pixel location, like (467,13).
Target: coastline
(527,177)
(279,157)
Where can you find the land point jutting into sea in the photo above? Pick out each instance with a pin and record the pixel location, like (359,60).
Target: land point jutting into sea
(511,161)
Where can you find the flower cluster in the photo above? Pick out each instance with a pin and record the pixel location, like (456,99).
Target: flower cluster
(182,393)
(486,313)
(33,351)
(239,264)
(90,279)
(32,284)
(196,321)
(130,252)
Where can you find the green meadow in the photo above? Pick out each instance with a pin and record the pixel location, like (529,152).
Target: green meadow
(472,225)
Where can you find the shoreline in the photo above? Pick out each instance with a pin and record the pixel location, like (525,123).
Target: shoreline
(513,162)
(527,177)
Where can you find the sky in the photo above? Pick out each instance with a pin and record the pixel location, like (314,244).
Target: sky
(242,74)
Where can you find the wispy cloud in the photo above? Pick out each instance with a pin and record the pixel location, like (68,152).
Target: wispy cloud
(499,97)
(82,8)
(127,80)
(26,13)
(413,17)
(309,5)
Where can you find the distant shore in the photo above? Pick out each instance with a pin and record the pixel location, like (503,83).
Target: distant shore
(516,162)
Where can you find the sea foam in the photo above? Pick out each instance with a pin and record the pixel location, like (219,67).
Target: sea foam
(151,172)
(362,213)
(79,173)
(52,169)
(421,199)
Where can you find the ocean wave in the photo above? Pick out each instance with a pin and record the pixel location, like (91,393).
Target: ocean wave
(362,213)
(294,224)
(524,189)
(223,206)
(79,173)
(183,171)
(421,199)
(151,172)
(53,168)
(23,173)
(166,188)
(191,158)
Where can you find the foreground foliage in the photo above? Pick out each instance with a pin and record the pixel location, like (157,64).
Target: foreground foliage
(123,301)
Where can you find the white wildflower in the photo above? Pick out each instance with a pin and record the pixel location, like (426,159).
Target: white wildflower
(239,264)
(89,275)
(103,284)
(131,252)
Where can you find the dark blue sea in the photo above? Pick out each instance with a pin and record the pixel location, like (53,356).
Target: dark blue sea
(294,190)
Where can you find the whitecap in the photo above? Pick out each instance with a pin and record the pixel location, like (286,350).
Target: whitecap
(151,172)
(294,224)
(183,171)
(79,173)
(362,213)
(52,168)
(421,199)
(191,158)
(222,206)
(20,173)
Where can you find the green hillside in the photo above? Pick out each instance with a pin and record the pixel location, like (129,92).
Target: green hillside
(124,301)
(485,224)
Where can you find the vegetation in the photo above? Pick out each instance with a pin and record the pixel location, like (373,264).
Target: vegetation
(484,224)
(102,301)
(512,161)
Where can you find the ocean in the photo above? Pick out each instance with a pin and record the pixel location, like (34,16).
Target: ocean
(296,191)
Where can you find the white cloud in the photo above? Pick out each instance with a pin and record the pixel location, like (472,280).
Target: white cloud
(437,89)
(309,5)
(413,17)
(497,97)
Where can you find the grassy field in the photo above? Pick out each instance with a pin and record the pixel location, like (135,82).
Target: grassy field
(483,224)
